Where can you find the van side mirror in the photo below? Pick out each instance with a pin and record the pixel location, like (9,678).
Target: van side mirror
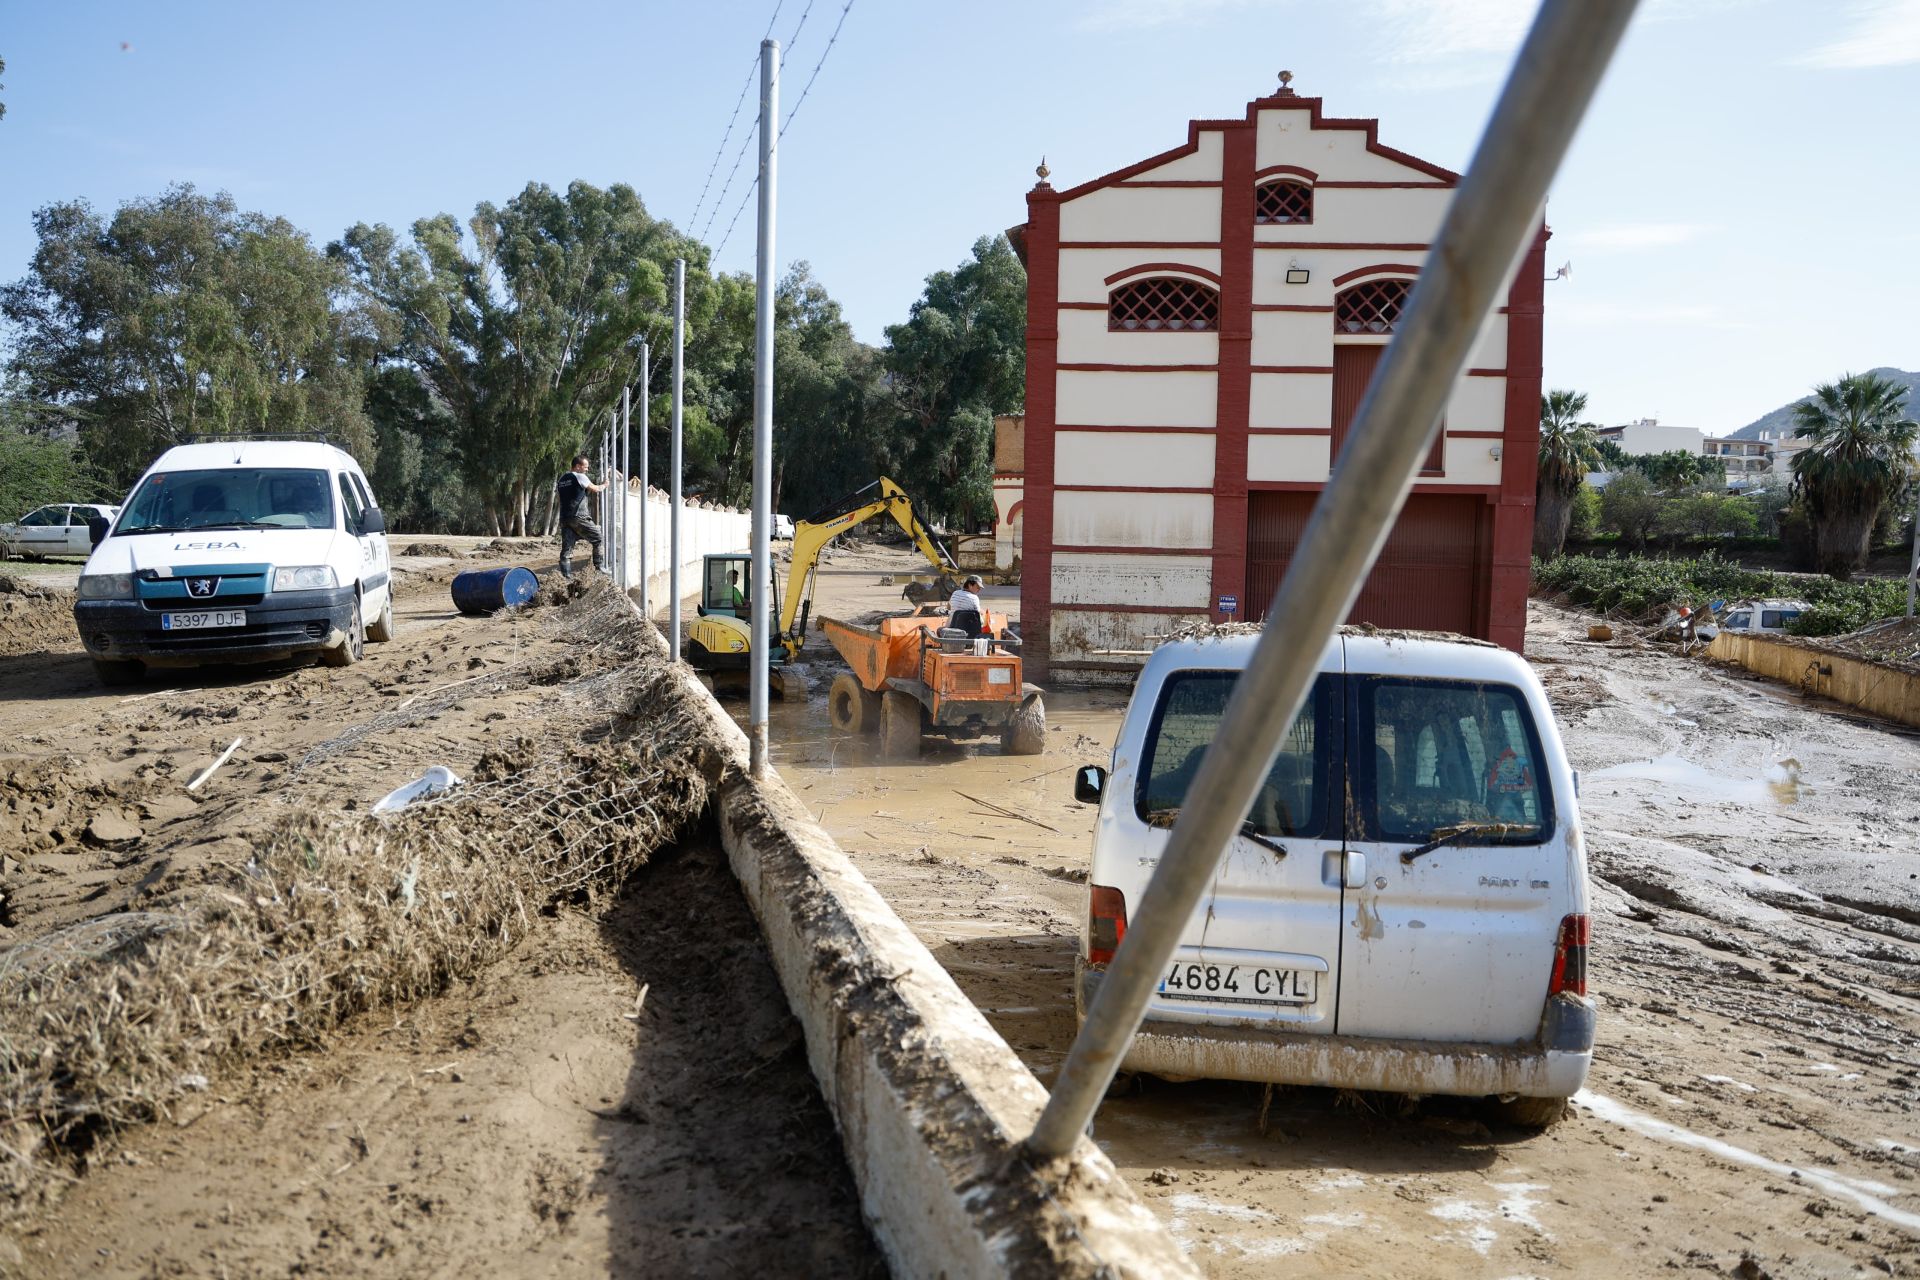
(1089,783)
(372,520)
(97,527)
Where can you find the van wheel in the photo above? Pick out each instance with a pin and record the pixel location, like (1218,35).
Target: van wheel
(382,628)
(351,649)
(851,707)
(116,675)
(899,725)
(1026,732)
(1530,1113)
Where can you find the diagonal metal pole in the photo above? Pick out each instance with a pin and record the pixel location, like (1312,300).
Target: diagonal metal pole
(1493,214)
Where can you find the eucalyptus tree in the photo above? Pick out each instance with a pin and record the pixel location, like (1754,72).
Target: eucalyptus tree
(1859,458)
(182,316)
(959,359)
(525,323)
(1568,451)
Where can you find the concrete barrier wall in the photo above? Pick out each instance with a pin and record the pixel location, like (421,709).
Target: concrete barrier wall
(932,1105)
(704,531)
(1874,687)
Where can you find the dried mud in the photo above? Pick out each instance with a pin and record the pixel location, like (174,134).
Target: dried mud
(589,1135)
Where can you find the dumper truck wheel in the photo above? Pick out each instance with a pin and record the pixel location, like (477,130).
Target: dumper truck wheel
(1026,732)
(899,725)
(851,707)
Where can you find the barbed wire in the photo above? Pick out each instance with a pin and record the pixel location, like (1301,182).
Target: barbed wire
(746,142)
(804,91)
(739,102)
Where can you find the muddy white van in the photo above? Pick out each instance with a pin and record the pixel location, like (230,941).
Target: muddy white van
(1406,908)
(236,551)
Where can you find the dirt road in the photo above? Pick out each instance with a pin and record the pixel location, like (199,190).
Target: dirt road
(1756,959)
(625,1092)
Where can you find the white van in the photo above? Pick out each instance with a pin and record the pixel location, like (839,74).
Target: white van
(241,550)
(1406,908)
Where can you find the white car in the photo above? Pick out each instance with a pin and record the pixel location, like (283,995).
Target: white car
(1755,617)
(57,529)
(237,551)
(1406,907)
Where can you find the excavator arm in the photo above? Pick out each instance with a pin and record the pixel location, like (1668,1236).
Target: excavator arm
(811,535)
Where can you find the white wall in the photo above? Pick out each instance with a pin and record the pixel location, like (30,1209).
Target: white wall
(704,531)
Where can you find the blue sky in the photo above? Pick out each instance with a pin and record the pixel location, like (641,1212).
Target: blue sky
(1742,210)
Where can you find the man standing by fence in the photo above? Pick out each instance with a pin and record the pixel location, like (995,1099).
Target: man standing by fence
(571,493)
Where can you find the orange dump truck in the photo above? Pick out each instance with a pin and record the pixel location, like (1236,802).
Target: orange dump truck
(914,676)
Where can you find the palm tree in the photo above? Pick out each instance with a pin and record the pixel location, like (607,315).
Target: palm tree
(1568,450)
(1860,458)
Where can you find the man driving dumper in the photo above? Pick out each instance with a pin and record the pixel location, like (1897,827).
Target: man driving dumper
(964,610)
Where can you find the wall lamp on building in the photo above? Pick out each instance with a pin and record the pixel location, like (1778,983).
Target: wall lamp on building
(1296,274)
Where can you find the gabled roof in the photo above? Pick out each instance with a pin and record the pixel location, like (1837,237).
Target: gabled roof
(1283,101)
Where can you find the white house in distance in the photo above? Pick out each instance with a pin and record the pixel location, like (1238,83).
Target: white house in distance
(1647,435)
(1201,327)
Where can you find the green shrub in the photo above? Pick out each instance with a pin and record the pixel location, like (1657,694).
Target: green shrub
(1646,587)
(1584,525)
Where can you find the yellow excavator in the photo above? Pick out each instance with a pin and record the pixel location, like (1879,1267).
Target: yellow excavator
(718,643)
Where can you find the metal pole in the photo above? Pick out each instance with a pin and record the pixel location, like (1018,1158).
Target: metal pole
(626,484)
(673,506)
(1488,224)
(606,495)
(1913,567)
(646,484)
(760,654)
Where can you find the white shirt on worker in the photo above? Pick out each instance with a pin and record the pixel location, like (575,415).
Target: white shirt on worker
(965,599)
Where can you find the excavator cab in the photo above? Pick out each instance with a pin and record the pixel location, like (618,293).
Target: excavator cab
(726,587)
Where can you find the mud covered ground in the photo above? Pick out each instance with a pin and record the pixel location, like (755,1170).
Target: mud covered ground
(626,1085)
(1752,1110)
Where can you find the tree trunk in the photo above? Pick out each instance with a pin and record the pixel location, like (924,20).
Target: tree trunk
(1840,543)
(1552,513)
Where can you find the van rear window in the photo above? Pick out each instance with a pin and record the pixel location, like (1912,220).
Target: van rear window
(1448,754)
(1292,802)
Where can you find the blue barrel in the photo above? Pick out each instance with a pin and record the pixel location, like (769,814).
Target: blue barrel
(484,590)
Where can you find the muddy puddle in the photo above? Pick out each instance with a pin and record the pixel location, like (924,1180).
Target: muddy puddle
(1779,783)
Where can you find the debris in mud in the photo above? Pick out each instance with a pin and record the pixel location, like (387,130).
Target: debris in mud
(512,547)
(319,917)
(439,549)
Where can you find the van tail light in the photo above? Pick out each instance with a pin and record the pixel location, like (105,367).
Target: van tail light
(1107,911)
(1570,957)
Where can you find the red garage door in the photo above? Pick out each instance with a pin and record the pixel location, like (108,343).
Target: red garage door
(1429,576)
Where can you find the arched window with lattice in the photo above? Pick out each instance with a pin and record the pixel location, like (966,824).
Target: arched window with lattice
(1161,303)
(1370,307)
(1283,200)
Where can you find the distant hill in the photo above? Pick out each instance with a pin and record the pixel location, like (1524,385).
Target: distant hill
(1781,419)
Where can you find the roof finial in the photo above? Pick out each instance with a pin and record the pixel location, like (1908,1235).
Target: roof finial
(1286,81)
(1041,170)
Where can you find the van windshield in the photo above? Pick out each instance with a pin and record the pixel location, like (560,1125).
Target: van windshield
(1292,801)
(239,498)
(1447,754)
